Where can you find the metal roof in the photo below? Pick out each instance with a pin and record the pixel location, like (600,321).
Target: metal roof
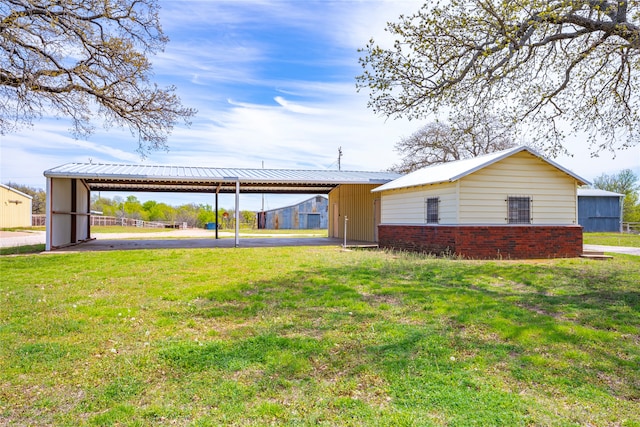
(453,171)
(16,191)
(594,192)
(192,179)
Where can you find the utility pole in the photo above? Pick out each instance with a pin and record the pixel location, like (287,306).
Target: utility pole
(339,157)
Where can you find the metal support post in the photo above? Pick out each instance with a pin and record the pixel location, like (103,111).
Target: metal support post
(237,213)
(345,231)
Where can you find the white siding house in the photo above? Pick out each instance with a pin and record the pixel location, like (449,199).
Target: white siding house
(515,187)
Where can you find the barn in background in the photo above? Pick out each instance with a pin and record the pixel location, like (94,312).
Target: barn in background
(600,210)
(312,214)
(15,207)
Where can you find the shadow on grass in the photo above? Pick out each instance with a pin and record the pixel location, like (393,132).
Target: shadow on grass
(267,350)
(452,340)
(304,337)
(21,250)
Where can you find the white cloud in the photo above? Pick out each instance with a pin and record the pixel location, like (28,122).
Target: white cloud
(285,134)
(297,108)
(369,20)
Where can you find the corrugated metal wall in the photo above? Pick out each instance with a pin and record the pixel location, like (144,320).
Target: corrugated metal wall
(310,214)
(68,209)
(599,214)
(356,202)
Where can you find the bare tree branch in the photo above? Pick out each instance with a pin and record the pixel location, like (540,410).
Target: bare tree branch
(542,65)
(438,142)
(85,58)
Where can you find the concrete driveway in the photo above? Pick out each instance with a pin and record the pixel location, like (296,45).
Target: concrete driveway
(614,249)
(11,239)
(174,239)
(199,238)
(190,243)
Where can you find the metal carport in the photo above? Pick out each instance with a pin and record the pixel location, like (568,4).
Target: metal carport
(69,188)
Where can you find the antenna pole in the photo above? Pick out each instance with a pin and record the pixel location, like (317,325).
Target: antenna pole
(339,157)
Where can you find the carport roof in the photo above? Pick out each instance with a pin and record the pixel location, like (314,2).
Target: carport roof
(192,179)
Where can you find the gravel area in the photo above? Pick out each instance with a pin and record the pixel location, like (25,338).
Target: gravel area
(105,241)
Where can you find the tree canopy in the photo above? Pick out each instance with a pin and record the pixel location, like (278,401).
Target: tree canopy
(192,214)
(624,182)
(556,67)
(438,142)
(85,58)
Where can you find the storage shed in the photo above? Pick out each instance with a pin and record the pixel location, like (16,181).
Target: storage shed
(354,210)
(311,214)
(15,208)
(600,210)
(510,204)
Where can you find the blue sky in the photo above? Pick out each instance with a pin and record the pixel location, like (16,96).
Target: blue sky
(273,82)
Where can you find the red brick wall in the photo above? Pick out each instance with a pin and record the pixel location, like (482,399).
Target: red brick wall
(485,241)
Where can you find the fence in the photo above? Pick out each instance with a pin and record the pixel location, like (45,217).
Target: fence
(631,227)
(39,221)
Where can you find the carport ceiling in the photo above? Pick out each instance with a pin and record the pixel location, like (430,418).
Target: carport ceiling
(191,179)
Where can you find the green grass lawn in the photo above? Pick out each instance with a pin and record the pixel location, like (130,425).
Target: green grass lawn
(25,249)
(317,336)
(612,239)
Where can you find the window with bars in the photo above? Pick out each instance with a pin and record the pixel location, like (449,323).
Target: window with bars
(431,210)
(519,208)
